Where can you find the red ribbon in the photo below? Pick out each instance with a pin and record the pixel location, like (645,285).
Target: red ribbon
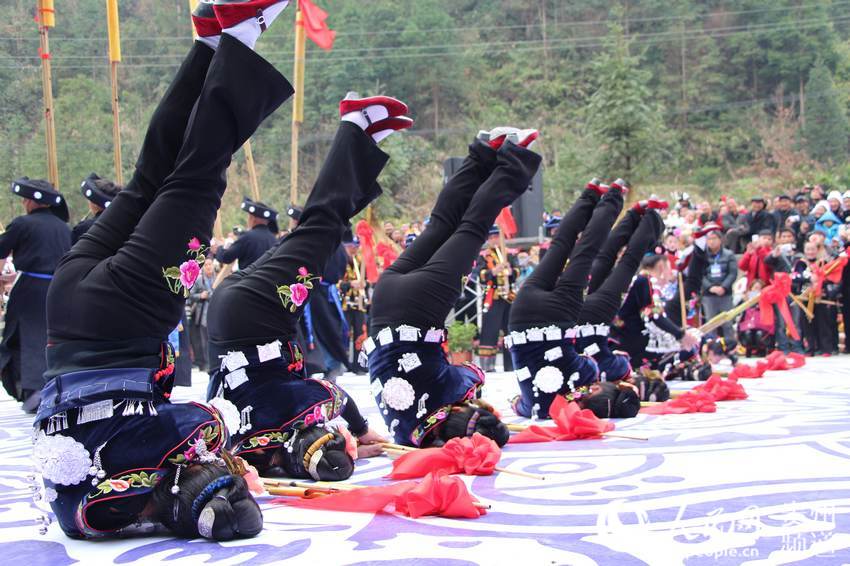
(722,389)
(775,361)
(777,294)
(827,272)
(778,361)
(386,253)
(571,423)
(690,402)
(437,494)
(476,456)
(367,244)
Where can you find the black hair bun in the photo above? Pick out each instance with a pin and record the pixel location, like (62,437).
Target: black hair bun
(325,453)
(458,423)
(612,402)
(211,503)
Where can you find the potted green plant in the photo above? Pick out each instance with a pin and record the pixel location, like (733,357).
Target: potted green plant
(461,340)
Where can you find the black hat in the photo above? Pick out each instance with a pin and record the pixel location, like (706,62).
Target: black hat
(98,193)
(802,198)
(784,196)
(493,230)
(757,198)
(41,192)
(766,232)
(263,211)
(294,212)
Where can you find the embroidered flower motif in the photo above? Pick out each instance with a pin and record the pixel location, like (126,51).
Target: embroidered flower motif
(576,395)
(398,394)
(315,417)
(229,413)
(549,379)
(61,459)
(189,272)
(183,278)
(299,294)
(262,440)
(294,295)
(119,485)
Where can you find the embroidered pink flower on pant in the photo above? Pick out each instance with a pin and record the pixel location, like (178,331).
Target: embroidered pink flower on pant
(302,271)
(194,244)
(189,272)
(299,294)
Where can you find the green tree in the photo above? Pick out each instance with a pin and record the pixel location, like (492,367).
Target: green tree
(825,131)
(622,115)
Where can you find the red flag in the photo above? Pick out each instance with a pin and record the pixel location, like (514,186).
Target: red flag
(437,494)
(476,456)
(571,423)
(315,26)
(367,244)
(506,223)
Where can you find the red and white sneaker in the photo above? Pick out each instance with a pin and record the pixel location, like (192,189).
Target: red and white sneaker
(373,108)
(524,138)
(247,18)
(621,186)
(655,203)
(383,128)
(597,186)
(204,19)
(497,136)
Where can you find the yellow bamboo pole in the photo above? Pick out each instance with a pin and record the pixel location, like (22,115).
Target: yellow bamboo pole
(252,171)
(46,20)
(298,104)
(115,58)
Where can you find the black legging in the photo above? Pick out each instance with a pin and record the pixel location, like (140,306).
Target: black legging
(423,284)
(246,308)
(608,286)
(111,285)
(552,294)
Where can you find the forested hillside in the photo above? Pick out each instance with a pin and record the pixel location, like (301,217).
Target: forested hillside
(714,96)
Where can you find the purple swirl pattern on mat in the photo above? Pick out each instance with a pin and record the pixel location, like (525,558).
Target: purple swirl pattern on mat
(762,481)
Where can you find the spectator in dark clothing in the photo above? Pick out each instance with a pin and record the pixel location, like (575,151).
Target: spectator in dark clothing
(717,282)
(784,208)
(259,238)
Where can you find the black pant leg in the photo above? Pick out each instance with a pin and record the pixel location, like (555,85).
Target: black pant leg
(156,160)
(448,211)
(561,305)
(425,296)
(546,274)
(348,176)
(607,256)
(603,305)
(240,90)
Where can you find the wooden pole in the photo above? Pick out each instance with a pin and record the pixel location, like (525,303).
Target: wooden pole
(298,104)
(46,20)
(114,59)
(252,171)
